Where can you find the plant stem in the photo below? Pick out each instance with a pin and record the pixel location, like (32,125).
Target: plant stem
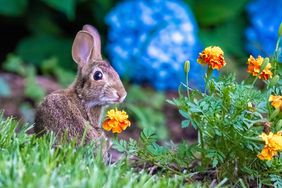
(201,140)
(168,168)
(277,45)
(187,86)
(221,183)
(208,76)
(186,71)
(255,139)
(276,55)
(255,80)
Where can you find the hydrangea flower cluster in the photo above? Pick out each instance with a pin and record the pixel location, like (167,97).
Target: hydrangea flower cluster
(149,41)
(265,18)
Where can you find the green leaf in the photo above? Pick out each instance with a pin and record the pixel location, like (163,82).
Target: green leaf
(38,48)
(184,114)
(120,145)
(229,36)
(100,8)
(211,12)
(32,89)
(215,156)
(14,64)
(185,123)
(12,7)
(132,145)
(42,22)
(214,162)
(51,66)
(277,180)
(148,136)
(5,89)
(28,112)
(147,113)
(65,6)
(156,149)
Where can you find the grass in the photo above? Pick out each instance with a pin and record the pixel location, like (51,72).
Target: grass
(28,161)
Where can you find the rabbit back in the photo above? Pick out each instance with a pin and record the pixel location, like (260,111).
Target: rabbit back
(59,113)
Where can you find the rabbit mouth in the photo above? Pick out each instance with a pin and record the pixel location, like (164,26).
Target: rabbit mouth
(116,100)
(112,100)
(102,102)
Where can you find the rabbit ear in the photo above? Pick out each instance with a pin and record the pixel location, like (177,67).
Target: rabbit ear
(96,51)
(82,48)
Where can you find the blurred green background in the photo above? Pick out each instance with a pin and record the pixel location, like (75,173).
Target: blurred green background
(53,24)
(35,52)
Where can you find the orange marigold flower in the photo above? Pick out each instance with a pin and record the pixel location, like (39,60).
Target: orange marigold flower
(276,101)
(213,57)
(273,144)
(116,121)
(254,66)
(267,154)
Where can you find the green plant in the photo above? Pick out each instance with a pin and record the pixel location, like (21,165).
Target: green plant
(5,89)
(231,118)
(51,67)
(28,161)
(166,160)
(32,89)
(147,113)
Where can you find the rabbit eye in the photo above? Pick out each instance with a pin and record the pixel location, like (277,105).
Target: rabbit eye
(98,75)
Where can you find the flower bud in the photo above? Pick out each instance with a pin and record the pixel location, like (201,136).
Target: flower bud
(264,63)
(274,81)
(279,125)
(280,30)
(251,107)
(187,66)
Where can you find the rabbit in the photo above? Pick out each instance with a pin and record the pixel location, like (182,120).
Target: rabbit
(76,112)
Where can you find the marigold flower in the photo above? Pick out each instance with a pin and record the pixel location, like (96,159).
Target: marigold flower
(276,101)
(213,57)
(116,121)
(273,144)
(254,66)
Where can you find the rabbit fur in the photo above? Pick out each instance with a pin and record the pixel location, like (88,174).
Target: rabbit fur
(78,110)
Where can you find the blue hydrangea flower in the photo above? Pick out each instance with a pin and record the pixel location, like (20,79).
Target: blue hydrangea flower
(149,41)
(265,18)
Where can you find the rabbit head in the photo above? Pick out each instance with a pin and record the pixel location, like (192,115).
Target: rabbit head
(97,82)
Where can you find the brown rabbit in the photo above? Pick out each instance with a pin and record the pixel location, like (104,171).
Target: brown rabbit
(78,110)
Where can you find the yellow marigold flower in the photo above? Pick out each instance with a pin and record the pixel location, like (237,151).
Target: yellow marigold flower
(116,121)
(273,144)
(276,101)
(213,57)
(267,154)
(254,66)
